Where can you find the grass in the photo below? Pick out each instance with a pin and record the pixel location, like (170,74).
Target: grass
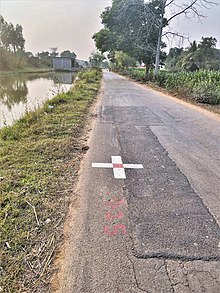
(39,158)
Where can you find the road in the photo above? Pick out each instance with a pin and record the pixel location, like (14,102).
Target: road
(157,230)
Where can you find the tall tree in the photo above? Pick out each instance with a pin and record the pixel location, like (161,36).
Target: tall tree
(11,36)
(174,9)
(128,27)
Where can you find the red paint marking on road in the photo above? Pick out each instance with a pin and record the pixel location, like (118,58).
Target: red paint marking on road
(109,216)
(114,203)
(118,166)
(116,228)
(114,206)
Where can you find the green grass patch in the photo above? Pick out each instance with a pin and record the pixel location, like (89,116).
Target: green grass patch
(38,156)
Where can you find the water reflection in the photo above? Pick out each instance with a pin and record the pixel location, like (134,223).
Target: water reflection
(13,90)
(21,93)
(63,78)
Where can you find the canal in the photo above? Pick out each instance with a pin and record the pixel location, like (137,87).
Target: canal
(27,92)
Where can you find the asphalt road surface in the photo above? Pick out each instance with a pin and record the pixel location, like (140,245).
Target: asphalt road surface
(157,230)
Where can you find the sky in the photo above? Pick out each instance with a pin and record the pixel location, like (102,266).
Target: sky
(70,24)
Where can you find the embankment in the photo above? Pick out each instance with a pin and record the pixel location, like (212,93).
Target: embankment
(39,157)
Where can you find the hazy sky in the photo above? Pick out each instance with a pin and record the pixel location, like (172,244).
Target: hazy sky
(69,24)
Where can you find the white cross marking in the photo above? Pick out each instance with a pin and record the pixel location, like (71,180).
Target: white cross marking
(118,167)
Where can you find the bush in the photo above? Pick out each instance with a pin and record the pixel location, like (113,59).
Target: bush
(207,93)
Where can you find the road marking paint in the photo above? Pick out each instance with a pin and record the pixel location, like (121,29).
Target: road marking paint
(115,228)
(118,167)
(109,216)
(114,206)
(102,165)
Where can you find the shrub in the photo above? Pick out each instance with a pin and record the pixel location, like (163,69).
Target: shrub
(207,93)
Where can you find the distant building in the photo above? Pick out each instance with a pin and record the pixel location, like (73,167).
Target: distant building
(65,64)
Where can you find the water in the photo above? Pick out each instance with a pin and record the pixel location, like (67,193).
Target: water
(26,92)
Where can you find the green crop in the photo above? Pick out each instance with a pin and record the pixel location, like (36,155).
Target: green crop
(201,86)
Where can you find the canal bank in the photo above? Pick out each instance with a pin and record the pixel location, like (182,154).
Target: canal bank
(39,157)
(26,71)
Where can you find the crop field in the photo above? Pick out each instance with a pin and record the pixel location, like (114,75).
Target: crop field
(202,86)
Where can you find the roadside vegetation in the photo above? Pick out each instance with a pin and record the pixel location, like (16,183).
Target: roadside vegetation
(202,86)
(39,157)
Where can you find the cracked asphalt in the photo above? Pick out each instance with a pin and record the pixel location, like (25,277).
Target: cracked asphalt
(158,229)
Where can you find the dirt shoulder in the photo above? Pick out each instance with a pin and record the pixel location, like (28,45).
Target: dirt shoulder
(211,108)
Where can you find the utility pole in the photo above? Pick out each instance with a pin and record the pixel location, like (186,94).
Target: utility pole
(157,60)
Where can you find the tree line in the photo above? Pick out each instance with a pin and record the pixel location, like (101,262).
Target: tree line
(13,54)
(11,36)
(139,28)
(202,55)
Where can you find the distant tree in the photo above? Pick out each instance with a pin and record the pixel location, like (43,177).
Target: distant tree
(11,36)
(44,58)
(123,60)
(19,39)
(207,43)
(29,54)
(193,47)
(43,55)
(202,56)
(67,53)
(54,52)
(173,57)
(206,55)
(96,59)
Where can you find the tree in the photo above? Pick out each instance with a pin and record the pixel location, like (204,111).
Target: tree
(137,27)
(206,56)
(54,52)
(123,60)
(96,59)
(202,56)
(207,43)
(189,8)
(67,53)
(173,57)
(43,59)
(193,47)
(128,27)
(11,36)
(19,39)
(43,55)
